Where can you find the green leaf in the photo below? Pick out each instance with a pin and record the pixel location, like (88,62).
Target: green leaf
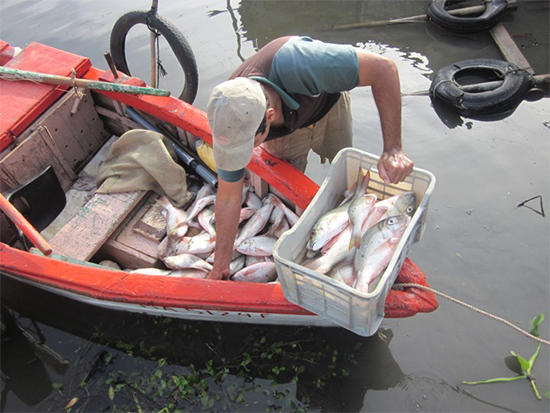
(111,393)
(497,380)
(513,364)
(534,325)
(522,362)
(547,394)
(534,358)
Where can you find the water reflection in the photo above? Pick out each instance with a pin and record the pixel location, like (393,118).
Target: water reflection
(235,366)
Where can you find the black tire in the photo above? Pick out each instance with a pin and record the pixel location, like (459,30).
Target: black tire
(508,92)
(173,36)
(494,9)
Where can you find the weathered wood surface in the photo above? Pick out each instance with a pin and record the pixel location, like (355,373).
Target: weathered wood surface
(90,228)
(509,49)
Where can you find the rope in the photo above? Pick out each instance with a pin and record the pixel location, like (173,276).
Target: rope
(471,307)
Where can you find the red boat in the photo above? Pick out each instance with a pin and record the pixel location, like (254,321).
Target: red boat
(53,133)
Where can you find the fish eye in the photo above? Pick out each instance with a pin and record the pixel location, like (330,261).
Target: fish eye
(391,221)
(410,209)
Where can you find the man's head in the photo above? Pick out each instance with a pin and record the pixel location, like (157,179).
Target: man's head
(236,109)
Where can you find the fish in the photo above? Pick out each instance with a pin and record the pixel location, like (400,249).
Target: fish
(336,220)
(344,273)
(327,227)
(258,246)
(336,254)
(359,209)
(291,216)
(255,224)
(188,273)
(205,190)
(237,264)
(206,220)
(377,247)
(246,213)
(176,219)
(253,201)
(259,272)
(199,244)
(200,205)
(186,260)
(400,204)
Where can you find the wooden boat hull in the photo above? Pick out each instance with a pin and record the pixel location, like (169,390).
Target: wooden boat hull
(186,298)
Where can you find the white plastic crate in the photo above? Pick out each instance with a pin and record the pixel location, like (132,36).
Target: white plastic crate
(361,313)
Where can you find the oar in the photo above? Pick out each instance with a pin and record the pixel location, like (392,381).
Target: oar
(25,226)
(465,11)
(16,74)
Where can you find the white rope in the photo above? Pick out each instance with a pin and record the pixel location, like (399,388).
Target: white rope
(471,307)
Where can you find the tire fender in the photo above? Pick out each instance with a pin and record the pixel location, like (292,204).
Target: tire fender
(173,36)
(494,9)
(511,85)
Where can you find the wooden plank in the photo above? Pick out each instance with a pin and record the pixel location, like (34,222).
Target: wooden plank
(30,157)
(509,49)
(86,232)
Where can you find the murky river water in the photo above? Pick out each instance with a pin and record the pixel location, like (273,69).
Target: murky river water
(479,246)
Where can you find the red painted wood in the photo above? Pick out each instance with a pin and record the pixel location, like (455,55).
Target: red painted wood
(120,286)
(20,106)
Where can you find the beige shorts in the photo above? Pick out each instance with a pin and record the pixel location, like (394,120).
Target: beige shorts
(326,137)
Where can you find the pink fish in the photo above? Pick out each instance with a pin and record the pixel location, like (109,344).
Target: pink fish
(377,247)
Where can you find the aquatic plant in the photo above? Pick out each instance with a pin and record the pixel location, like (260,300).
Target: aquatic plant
(520,365)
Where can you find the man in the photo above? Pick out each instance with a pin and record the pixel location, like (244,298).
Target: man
(293,96)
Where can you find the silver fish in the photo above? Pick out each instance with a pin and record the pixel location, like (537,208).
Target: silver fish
(255,224)
(401,204)
(179,262)
(206,220)
(260,272)
(237,264)
(336,254)
(176,219)
(328,226)
(343,273)
(253,201)
(290,215)
(358,211)
(200,205)
(259,246)
(377,247)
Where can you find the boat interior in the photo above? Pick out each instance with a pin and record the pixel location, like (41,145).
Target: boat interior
(50,175)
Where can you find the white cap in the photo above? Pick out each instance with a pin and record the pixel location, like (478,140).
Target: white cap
(235,110)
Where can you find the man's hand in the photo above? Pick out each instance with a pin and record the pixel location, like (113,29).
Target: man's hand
(394,166)
(215,274)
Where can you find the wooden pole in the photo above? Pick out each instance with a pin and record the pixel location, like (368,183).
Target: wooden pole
(465,11)
(25,226)
(16,74)
(509,49)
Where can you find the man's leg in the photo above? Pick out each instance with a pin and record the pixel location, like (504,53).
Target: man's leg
(335,131)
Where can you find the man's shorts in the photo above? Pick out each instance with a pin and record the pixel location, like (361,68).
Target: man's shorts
(326,137)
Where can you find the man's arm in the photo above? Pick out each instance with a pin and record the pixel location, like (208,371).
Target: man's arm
(229,199)
(380,73)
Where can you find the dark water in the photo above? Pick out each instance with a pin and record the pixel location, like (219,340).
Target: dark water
(479,246)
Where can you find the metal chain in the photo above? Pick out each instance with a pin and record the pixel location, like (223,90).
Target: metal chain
(471,307)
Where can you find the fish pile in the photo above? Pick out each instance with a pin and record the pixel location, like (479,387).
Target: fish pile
(354,242)
(188,248)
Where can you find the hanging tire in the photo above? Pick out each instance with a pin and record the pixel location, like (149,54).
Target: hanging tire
(494,9)
(505,87)
(179,45)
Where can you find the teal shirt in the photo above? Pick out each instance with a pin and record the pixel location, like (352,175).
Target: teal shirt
(309,67)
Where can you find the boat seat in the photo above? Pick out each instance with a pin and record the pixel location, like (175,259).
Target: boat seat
(41,199)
